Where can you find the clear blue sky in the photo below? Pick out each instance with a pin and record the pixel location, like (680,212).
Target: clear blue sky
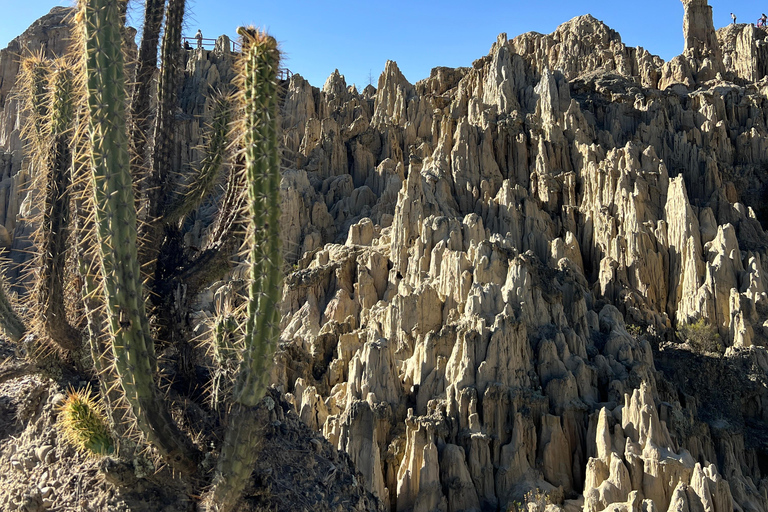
(358,37)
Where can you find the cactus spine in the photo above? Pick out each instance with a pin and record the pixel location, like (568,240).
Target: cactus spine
(115,217)
(261,59)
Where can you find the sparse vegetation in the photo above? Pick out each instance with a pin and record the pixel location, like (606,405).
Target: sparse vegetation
(701,336)
(534,500)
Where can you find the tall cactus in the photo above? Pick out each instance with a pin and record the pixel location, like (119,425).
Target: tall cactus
(261,60)
(161,179)
(115,217)
(48,102)
(34,81)
(53,232)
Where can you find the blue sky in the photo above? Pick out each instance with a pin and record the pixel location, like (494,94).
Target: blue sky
(359,37)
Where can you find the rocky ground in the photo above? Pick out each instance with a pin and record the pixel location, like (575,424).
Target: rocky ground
(298,469)
(490,273)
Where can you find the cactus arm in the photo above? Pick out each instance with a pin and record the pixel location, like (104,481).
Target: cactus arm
(161,178)
(52,239)
(259,92)
(115,217)
(263,178)
(140,111)
(231,206)
(210,167)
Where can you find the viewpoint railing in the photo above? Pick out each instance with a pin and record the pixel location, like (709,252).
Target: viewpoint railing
(191,43)
(208,44)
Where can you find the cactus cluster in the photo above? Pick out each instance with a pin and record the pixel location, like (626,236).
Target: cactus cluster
(79,124)
(116,228)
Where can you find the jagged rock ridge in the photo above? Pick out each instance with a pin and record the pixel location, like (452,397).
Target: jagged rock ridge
(474,250)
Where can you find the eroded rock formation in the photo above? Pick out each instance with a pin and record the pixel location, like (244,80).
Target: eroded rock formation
(491,261)
(490,265)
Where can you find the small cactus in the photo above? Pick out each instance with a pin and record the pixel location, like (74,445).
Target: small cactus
(83,424)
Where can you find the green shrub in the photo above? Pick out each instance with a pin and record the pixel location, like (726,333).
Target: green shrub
(702,337)
(534,500)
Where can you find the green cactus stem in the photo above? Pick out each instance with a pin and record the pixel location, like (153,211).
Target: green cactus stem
(161,180)
(145,68)
(207,176)
(262,165)
(115,218)
(53,234)
(261,59)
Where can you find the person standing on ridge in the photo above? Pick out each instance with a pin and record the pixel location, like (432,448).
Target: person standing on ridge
(733,17)
(199,37)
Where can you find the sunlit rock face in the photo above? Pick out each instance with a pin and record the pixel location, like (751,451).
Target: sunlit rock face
(488,262)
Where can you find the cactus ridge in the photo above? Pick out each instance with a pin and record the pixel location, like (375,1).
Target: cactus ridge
(116,228)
